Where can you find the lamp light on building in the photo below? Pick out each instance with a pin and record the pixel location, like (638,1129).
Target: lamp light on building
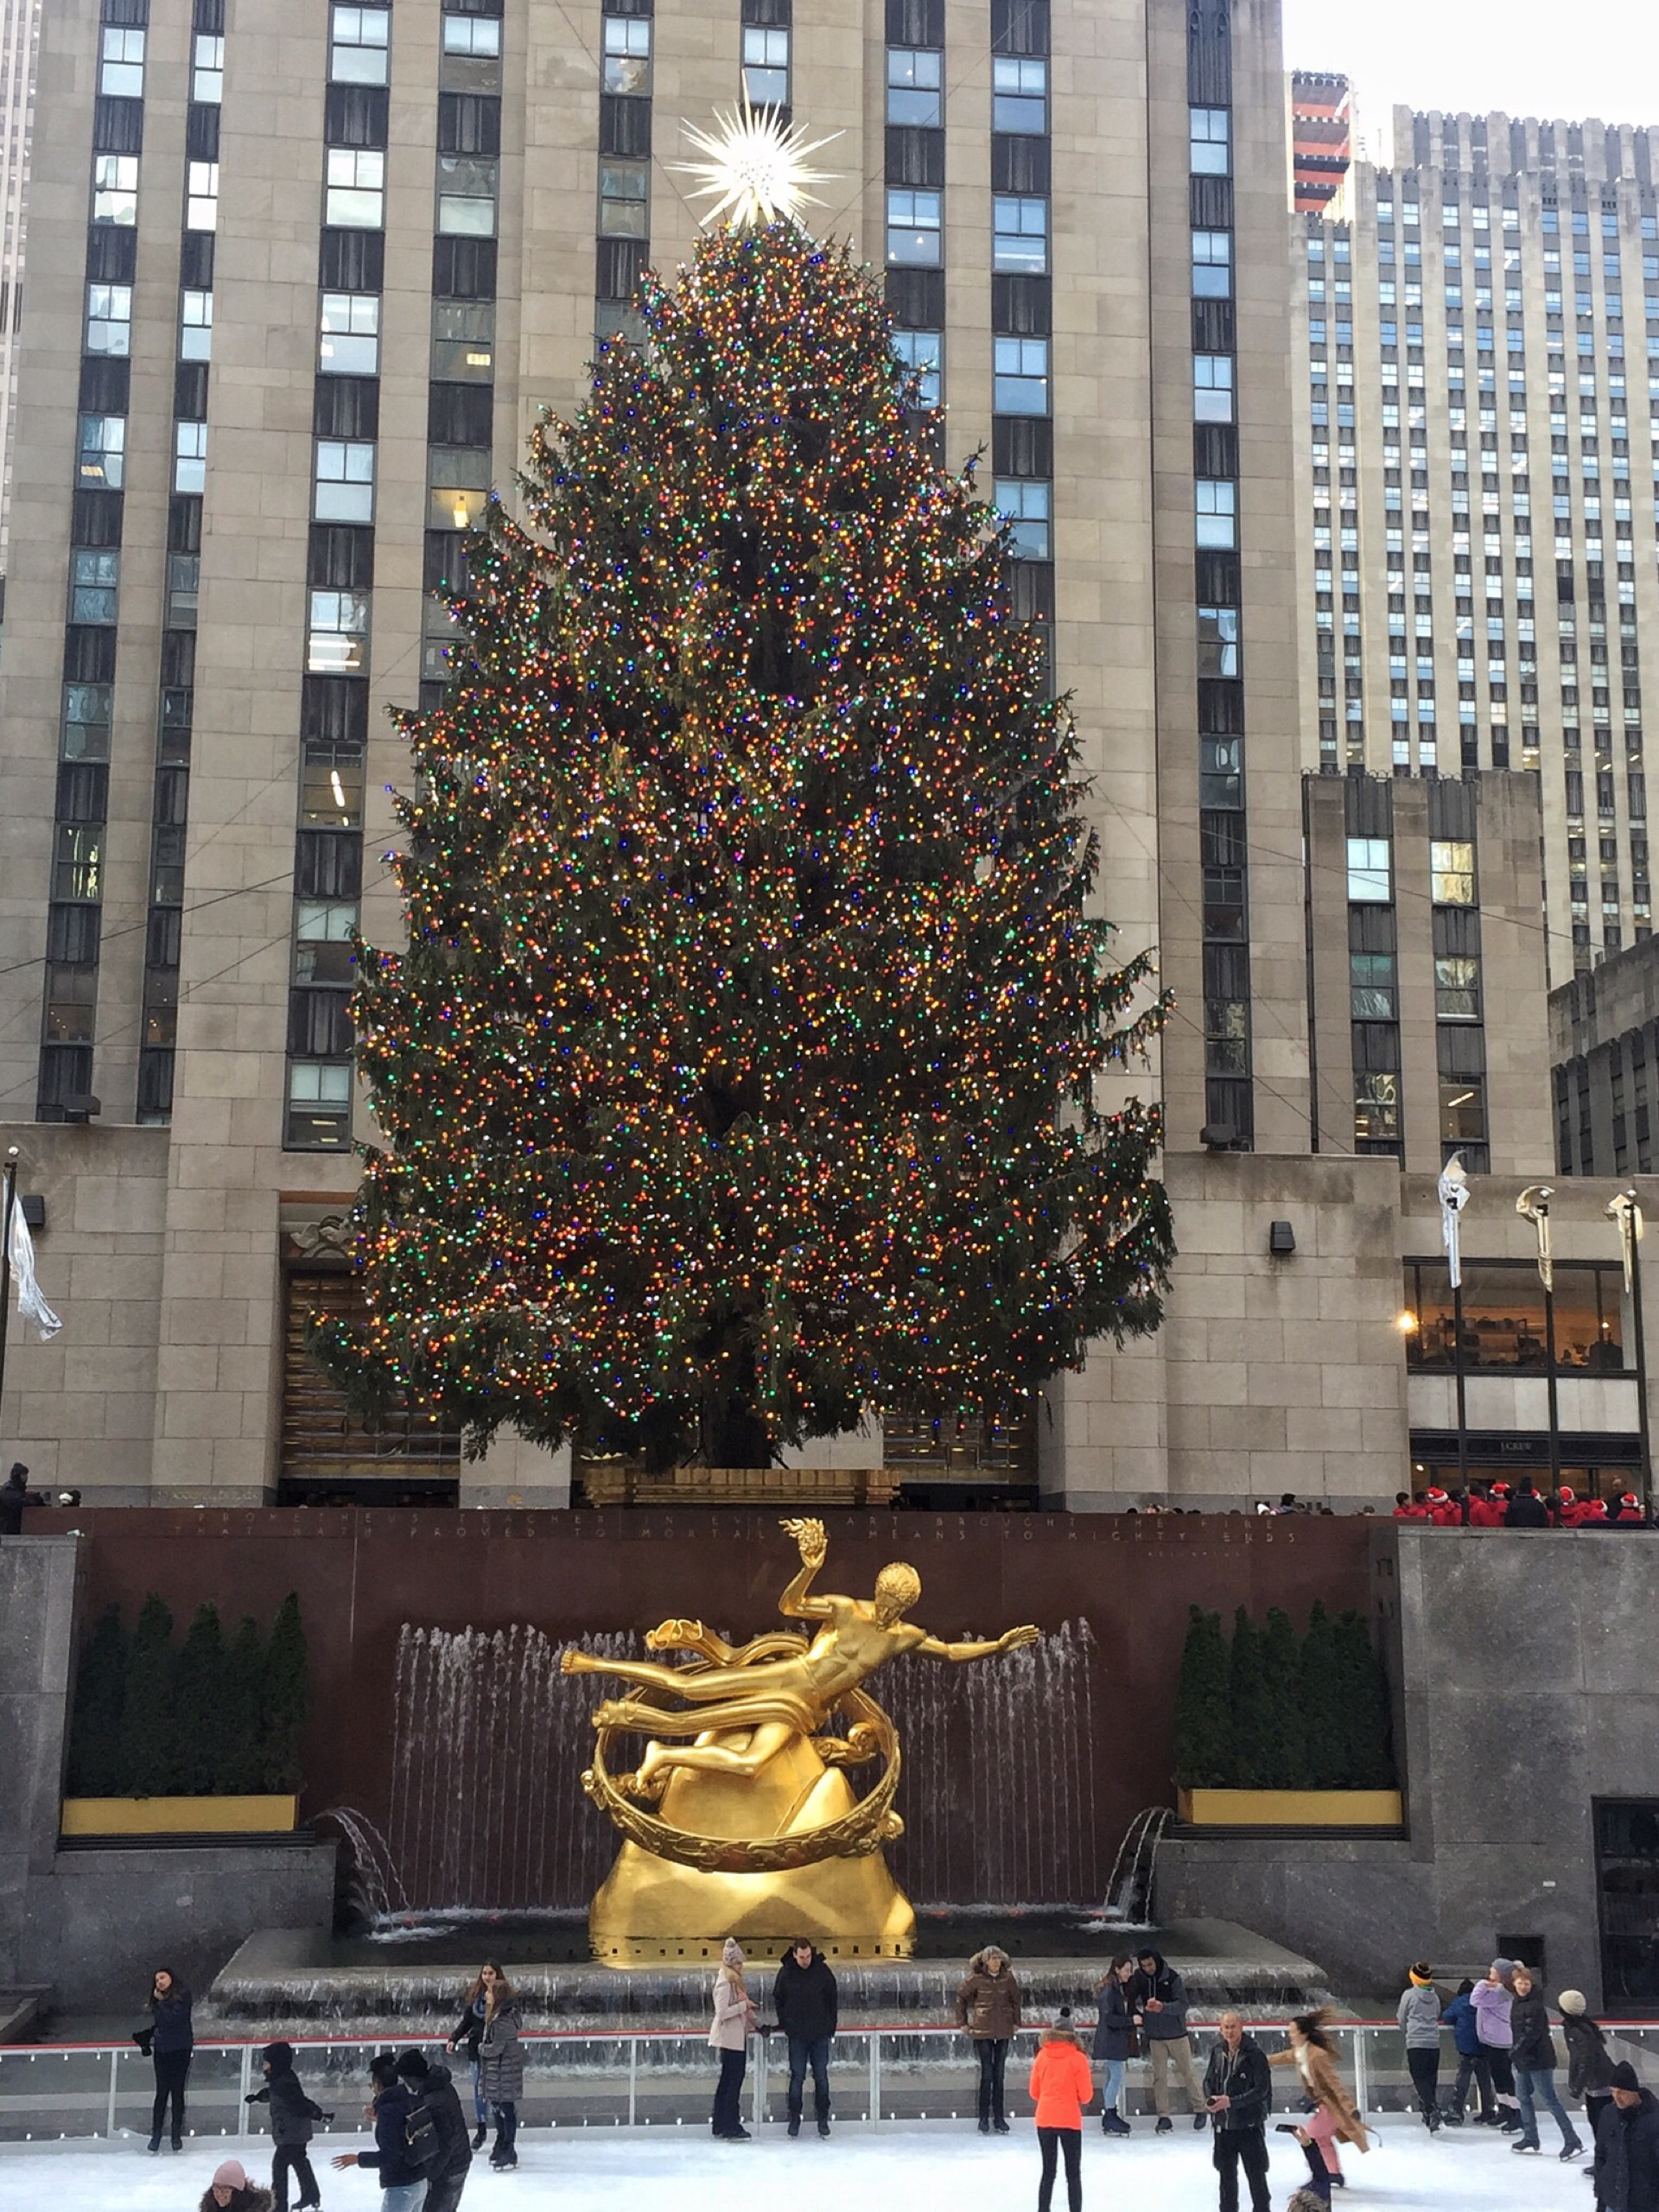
(459,511)
(1407,1324)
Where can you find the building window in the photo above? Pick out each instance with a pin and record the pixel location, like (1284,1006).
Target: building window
(766,66)
(338,641)
(86,731)
(322,934)
(195,325)
(1026,502)
(350,339)
(207,71)
(915,221)
(109,319)
(624,200)
(915,83)
(1209,146)
(189,457)
(1018,95)
(1212,388)
(1463,1108)
(1377,1109)
(473,34)
(627,67)
(94,577)
(1369,870)
(183,590)
(78,863)
(103,450)
(1219,641)
(467,191)
(1457,990)
(1213,265)
(1020,235)
(359,46)
(1216,502)
(1451,874)
(345,483)
(121,65)
(115,188)
(922,353)
(319,1105)
(1370,987)
(356,195)
(463,341)
(201,196)
(1019,377)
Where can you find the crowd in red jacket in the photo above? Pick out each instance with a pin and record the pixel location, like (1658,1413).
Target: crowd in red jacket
(1496,1505)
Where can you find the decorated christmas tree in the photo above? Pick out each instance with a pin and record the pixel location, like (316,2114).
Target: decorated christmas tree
(746,1068)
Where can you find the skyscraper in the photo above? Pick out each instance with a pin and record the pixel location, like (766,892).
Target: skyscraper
(20,30)
(1478,518)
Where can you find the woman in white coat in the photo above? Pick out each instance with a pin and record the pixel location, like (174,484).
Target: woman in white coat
(734,2023)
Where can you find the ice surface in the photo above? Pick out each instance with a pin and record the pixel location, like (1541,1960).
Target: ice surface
(933,2169)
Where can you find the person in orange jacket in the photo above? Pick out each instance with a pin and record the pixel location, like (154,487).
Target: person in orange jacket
(1062,2082)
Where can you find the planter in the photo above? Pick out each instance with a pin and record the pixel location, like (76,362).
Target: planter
(85,1816)
(1292,1808)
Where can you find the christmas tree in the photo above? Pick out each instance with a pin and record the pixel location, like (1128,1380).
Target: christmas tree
(747,1065)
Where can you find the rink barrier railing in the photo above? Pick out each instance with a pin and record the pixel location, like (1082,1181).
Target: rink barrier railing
(636,2078)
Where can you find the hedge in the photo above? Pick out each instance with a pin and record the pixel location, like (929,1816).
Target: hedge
(1274,1712)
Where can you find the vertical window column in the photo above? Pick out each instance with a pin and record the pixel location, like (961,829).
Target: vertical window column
(1228,1108)
(623,217)
(1022,310)
(914,156)
(339,580)
(75,913)
(1460,1030)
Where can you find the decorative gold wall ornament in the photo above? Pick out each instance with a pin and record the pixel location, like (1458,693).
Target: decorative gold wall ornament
(756,1810)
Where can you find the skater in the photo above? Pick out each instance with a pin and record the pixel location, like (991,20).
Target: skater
(734,2023)
(1627,2147)
(230,2191)
(806,2002)
(1238,2089)
(501,2063)
(291,2115)
(1589,2065)
(988,2006)
(401,2182)
(1115,2040)
(1061,2085)
(436,2131)
(1335,2118)
(468,2032)
(167,2042)
(1159,1996)
(1492,1999)
(1534,2059)
(1459,2016)
(1418,2015)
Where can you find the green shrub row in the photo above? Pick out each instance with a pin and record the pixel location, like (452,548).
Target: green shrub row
(1277,1712)
(206,1718)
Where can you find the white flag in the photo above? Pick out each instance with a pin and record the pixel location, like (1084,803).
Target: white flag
(30,1305)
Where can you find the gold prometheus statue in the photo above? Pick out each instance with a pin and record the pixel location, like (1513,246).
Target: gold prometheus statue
(759,1832)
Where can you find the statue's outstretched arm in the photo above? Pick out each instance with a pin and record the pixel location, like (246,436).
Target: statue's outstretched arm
(932,1648)
(796,1604)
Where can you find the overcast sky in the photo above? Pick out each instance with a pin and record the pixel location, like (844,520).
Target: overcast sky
(1527,57)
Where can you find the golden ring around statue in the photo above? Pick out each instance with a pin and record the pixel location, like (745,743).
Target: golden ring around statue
(867,1829)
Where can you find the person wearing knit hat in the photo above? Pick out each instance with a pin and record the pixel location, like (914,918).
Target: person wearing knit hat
(230,2191)
(734,2023)
(1589,2062)
(1627,2146)
(1418,2015)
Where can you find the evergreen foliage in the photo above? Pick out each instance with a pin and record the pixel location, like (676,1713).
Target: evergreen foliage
(286,1698)
(198,1714)
(95,1767)
(1363,1688)
(1285,1729)
(241,1770)
(148,1739)
(743,1069)
(1204,1751)
(1251,1714)
(1323,1728)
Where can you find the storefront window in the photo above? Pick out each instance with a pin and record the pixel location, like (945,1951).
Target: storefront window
(1504,1324)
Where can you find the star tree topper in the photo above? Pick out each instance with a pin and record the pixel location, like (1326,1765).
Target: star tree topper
(756,171)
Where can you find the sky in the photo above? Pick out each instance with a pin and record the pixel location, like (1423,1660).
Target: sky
(1554,58)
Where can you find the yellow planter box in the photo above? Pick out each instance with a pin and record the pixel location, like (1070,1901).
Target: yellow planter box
(1293,1809)
(179,1815)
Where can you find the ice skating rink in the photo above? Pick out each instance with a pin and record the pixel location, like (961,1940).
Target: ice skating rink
(932,2169)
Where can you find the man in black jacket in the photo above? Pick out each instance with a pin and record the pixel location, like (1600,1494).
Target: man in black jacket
(1526,1509)
(433,2089)
(1627,2147)
(291,2115)
(402,2183)
(807,2005)
(1238,2091)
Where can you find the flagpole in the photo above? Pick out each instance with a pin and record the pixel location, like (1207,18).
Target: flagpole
(6,1213)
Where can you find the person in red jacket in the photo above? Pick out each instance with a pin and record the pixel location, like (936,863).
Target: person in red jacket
(1627,1511)
(1592,1514)
(1568,1506)
(1440,1508)
(1488,1507)
(1062,2082)
(1407,1508)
